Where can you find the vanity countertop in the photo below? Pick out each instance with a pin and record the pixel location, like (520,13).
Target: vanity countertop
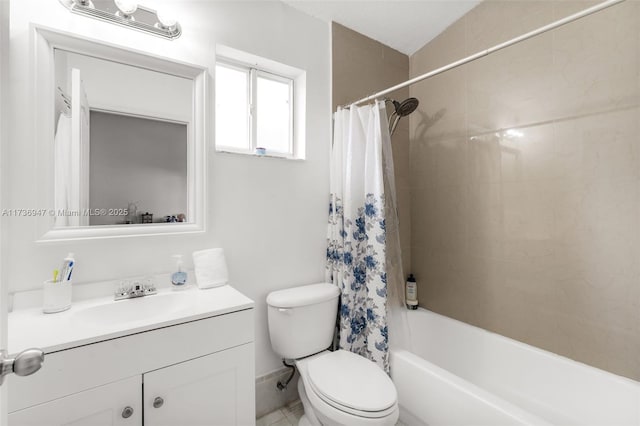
(94,320)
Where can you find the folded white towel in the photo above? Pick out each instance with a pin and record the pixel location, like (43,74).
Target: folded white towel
(210,268)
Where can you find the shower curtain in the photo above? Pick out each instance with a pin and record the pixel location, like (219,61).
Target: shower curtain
(357,257)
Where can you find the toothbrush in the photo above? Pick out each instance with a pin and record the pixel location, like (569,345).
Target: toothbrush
(69,270)
(67,267)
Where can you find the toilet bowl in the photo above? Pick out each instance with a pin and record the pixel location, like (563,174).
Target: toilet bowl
(342,388)
(336,388)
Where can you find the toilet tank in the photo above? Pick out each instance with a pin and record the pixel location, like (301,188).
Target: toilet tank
(302,319)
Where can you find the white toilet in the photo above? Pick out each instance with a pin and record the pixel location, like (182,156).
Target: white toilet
(337,388)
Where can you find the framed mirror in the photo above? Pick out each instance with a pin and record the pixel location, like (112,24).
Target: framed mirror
(121,140)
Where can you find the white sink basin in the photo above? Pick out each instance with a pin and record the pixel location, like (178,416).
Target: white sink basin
(95,320)
(147,308)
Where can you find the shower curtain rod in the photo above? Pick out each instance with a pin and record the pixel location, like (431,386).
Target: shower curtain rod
(483,53)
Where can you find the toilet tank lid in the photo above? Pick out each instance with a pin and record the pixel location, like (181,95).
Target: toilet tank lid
(303,296)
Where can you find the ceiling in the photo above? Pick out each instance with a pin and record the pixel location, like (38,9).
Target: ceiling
(405,25)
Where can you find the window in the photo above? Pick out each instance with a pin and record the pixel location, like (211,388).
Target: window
(254,109)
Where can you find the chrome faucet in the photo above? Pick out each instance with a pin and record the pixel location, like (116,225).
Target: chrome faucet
(132,289)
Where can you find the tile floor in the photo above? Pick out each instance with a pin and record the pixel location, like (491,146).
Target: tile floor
(289,415)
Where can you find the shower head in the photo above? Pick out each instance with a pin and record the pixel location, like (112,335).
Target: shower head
(402,109)
(406,107)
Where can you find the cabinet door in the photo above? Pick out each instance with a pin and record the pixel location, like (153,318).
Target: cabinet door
(101,406)
(213,390)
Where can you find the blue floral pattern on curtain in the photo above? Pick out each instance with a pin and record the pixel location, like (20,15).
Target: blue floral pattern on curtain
(356,244)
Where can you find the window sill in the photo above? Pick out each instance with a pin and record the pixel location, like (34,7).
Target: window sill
(253,154)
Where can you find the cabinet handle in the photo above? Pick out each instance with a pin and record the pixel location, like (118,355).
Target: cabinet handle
(157,403)
(127,412)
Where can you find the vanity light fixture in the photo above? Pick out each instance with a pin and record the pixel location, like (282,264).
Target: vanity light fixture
(128,13)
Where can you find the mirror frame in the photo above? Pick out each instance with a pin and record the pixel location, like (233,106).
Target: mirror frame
(46,40)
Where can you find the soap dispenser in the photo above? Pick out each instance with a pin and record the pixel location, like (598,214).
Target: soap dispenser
(179,277)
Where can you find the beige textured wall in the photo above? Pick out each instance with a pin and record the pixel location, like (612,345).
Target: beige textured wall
(525,180)
(362,66)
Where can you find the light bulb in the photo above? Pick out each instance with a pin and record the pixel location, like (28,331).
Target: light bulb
(167,20)
(127,7)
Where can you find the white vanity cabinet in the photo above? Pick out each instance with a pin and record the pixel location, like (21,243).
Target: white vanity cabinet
(115,404)
(198,372)
(211,390)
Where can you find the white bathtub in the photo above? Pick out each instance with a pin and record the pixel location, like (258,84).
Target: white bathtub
(464,375)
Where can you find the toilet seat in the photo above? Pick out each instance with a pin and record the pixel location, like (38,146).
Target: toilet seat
(351,384)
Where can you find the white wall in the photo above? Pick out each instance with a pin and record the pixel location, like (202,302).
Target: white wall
(269,214)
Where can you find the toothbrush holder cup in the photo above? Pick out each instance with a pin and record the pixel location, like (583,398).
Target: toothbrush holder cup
(56,296)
